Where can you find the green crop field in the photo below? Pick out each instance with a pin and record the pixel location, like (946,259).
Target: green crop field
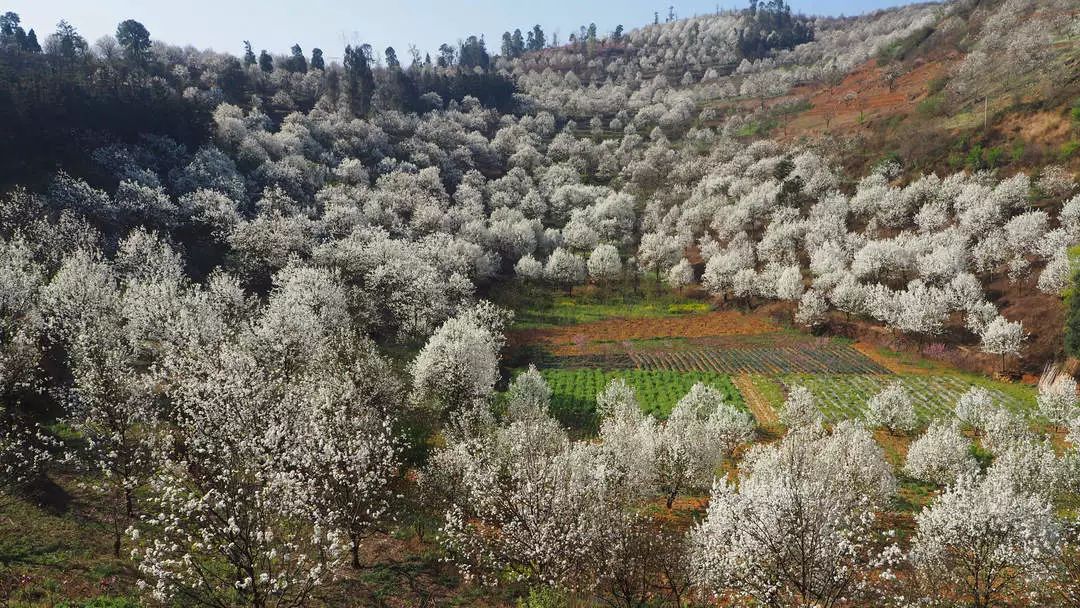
(573,398)
(845,395)
(841,379)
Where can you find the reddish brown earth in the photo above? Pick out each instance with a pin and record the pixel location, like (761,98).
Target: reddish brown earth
(575,339)
(863,97)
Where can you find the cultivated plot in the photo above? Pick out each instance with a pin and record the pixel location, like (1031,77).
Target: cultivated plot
(845,395)
(758,370)
(573,397)
(809,358)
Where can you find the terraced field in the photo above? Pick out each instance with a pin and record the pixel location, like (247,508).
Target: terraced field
(845,395)
(757,368)
(808,358)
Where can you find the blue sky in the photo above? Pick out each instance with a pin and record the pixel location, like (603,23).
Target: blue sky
(330,24)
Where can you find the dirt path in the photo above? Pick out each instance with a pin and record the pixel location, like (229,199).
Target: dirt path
(758,405)
(893,364)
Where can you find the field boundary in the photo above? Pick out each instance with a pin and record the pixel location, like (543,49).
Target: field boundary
(755,401)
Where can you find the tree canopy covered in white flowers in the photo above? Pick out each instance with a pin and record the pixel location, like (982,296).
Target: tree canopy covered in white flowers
(799,527)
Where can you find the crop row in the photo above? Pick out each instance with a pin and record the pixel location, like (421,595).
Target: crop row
(573,391)
(794,359)
(845,395)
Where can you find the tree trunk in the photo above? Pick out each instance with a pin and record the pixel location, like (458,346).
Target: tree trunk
(355,552)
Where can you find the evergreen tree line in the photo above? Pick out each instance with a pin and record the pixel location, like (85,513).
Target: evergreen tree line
(770,26)
(62,96)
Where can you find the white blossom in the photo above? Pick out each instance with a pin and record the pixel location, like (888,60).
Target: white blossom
(984,541)
(604,264)
(799,409)
(798,528)
(892,409)
(941,455)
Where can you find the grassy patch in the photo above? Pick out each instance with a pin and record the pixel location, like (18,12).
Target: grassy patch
(931,106)
(538,307)
(756,128)
(1068,149)
(573,399)
(769,389)
(913,495)
(59,555)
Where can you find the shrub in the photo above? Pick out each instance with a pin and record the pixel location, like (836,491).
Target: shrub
(1068,149)
(937,84)
(544,598)
(1017,151)
(932,106)
(898,50)
(1072,318)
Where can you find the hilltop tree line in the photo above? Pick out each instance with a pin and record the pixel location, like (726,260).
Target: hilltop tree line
(67,95)
(771,26)
(63,96)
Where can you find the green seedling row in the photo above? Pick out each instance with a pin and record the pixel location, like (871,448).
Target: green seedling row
(574,391)
(845,395)
(806,358)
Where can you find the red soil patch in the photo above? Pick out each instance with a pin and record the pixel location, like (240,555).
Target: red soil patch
(863,93)
(575,339)
(1043,316)
(405,566)
(683,512)
(892,364)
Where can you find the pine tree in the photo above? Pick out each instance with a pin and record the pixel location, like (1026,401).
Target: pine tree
(135,39)
(359,81)
(266,62)
(249,55)
(298,63)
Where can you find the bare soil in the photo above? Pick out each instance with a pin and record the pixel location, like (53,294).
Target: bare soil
(575,339)
(863,97)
